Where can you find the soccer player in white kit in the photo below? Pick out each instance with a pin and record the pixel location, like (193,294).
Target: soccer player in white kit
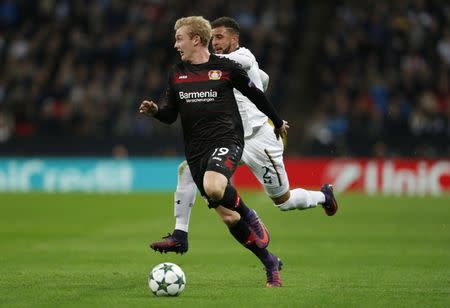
(263,152)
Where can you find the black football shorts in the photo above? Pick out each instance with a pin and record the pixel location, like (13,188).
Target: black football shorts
(223,159)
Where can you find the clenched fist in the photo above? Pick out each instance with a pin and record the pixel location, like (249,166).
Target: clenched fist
(148,108)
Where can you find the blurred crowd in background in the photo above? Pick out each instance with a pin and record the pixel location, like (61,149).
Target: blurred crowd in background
(384,86)
(77,70)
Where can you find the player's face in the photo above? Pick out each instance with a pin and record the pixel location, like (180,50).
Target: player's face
(184,44)
(221,40)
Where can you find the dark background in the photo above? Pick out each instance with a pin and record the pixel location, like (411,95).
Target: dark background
(354,78)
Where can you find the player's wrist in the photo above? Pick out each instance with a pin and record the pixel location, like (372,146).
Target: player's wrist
(278,123)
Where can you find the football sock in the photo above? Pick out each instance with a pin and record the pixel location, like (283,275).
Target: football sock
(233,201)
(242,234)
(184,197)
(302,199)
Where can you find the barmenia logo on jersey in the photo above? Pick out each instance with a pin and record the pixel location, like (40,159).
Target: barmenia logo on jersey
(193,97)
(214,74)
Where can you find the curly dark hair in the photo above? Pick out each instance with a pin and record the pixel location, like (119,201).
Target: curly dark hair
(227,22)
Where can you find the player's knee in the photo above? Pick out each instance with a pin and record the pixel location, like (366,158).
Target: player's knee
(214,186)
(214,191)
(185,180)
(183,170)
(281,199)
(182,166)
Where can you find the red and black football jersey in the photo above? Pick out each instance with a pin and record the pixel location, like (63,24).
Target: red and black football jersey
(203,96)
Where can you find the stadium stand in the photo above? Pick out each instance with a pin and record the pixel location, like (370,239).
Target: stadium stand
(354,78)
(383,82)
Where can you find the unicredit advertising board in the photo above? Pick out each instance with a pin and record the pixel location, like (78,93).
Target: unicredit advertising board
(88,174)
(372,176)
(393,177)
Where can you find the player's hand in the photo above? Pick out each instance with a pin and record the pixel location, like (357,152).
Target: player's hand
(148,108)
(282,131)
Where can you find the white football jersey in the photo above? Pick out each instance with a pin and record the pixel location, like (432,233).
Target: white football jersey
(251,116)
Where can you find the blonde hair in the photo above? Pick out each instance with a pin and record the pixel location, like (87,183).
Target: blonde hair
(197,26)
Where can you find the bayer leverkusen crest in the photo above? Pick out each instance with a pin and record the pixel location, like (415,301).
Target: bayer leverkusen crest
(214,74)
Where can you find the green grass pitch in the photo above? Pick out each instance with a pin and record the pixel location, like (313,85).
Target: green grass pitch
(82,250)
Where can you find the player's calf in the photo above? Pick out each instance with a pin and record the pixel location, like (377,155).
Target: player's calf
(229,217)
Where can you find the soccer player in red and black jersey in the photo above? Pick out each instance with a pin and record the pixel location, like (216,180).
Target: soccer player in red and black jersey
(200,89)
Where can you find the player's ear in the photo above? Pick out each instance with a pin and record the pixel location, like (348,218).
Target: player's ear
(197,40)
(235,38)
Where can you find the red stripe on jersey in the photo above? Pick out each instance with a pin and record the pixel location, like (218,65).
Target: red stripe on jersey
(180,77)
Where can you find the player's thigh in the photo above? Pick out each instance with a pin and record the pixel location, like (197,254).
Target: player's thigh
(263,154)
(225,159)
(222,160)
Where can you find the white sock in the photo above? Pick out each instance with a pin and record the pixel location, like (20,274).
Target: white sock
(302,199)
(184,197)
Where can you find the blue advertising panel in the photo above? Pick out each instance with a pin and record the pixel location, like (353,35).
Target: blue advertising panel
(88,174)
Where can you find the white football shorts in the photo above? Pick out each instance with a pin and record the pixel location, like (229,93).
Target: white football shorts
(263,154)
